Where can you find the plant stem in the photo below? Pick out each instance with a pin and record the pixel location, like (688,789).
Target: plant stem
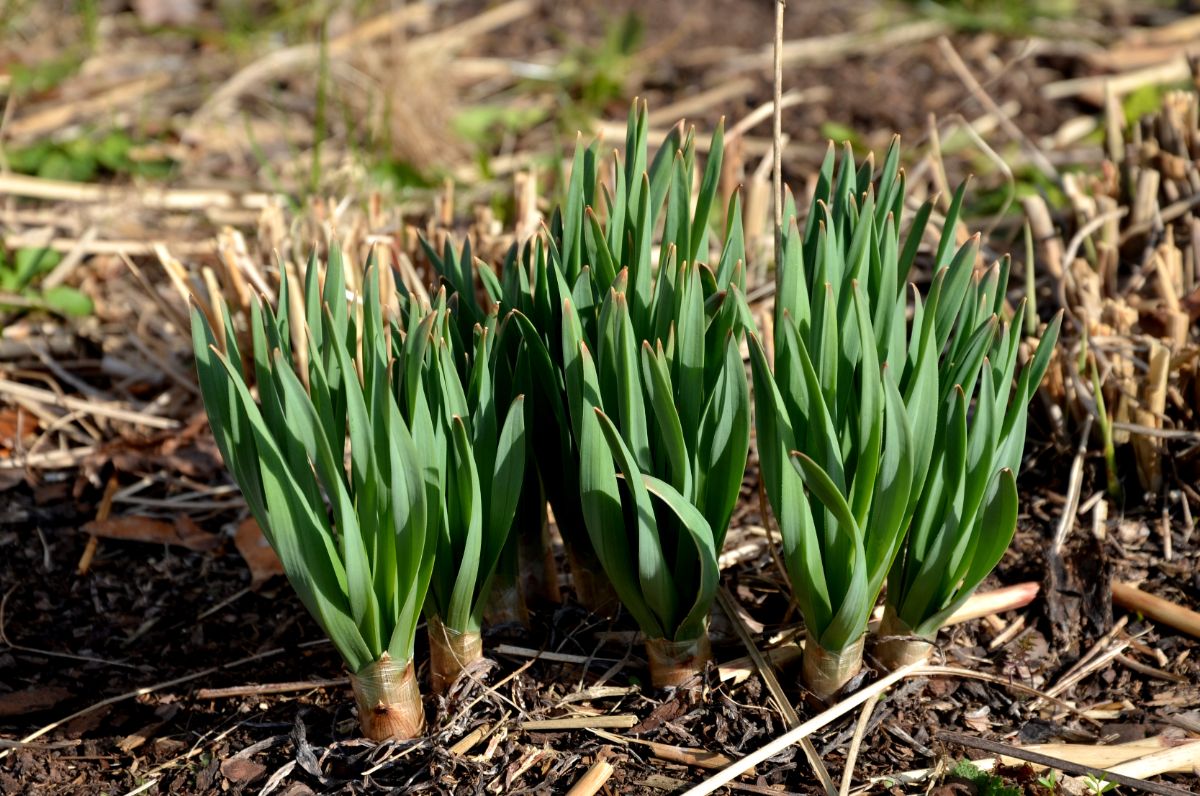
(826,671)
(673,663)
(450,651)
(538,567)
(1106,435)
(389,700)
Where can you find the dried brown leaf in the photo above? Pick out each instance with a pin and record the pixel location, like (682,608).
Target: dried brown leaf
(257,553)
(134,528)
(30,700)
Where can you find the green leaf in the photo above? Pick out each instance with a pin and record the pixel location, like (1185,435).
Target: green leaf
(654,576)
(708,190)
(601,503)
(301,538)
(724,443)
(506,481)
(466,492)
(30,263)
(662,399)
(68,301)
(849,619)
(694,623)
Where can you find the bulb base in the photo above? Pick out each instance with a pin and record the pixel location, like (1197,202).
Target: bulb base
(389,700)
(898,644)
(673,663)
(825,671)
(450,651)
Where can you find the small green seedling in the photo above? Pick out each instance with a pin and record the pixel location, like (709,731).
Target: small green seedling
(986,784)
(20,275)
(1097,785)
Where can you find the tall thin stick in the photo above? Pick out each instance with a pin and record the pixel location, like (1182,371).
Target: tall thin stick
(777,170)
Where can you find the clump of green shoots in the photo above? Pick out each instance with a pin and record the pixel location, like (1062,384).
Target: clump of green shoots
(862,421)
(635,360)
(374,447)
(483,438)
(526,286)
(362,572)
(656,396)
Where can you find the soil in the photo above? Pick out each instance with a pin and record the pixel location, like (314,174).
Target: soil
(147,616)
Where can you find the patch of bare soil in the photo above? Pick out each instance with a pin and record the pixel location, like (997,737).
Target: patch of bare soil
(184,627)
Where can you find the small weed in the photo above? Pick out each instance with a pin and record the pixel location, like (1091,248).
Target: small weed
(1015,17)
(1097,785)
(17,277)
(44,75)
(87,157)
(595,77)
(986,784)
(1148,99)
(486,125)
(836,131)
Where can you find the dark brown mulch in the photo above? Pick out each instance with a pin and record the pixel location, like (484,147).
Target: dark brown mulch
(147,615)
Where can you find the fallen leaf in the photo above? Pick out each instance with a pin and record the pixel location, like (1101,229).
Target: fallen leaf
(190,451)
(978,719)
(257,552)
(130,742)
(78,726)
(133,528)
(242,770)
(32,699)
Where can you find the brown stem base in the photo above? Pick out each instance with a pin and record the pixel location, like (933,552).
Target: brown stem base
(389,700)
(673,663)
(506,606)
(539,570)
(825,672)
(898,644)
(449,653)
(593,589)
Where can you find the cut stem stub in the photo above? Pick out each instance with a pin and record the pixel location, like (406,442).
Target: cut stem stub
(593,589)
(673,663)
(506,605)
(825,671)
(898,644)
(450,651)
(389,700)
